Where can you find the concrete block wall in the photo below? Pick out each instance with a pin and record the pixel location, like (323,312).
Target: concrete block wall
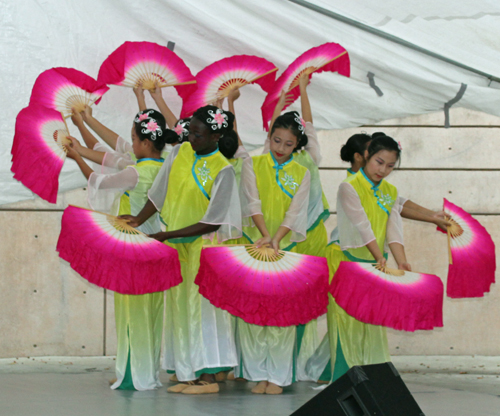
(47,309)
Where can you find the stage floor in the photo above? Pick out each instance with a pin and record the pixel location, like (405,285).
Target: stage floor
(74,387)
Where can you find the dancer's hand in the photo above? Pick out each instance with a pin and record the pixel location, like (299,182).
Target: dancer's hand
(263,241)
(132,220)
(138,91)
(86,113)
(156,93)
(161,236)
(75,144)
(282,100)
(71,152)
(405,266)
(440,219)
(234,95)
(439,214)
(382,262)
(303,80)
(76,117)
(442,223)
(275,244)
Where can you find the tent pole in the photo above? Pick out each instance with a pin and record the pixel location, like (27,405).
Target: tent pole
(392,38)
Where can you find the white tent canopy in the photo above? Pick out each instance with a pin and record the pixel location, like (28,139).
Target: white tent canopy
(37,36)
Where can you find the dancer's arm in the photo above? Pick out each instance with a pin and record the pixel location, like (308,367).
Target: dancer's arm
(146,212)
(231,98)
(92,155)
(87,136)
(139,94)
(109,136)
(194,230)
(73,154)
(398,251)
(425,215)
(163,107)
(304,98)
(278,109)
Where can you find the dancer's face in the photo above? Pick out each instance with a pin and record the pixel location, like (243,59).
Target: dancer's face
(202,140)
(283,141)
(380,165)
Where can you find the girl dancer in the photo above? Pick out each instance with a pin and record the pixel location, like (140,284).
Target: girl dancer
(319,365)
(196,194)
(275,194)
(138,317)
(368,220)
(318,212)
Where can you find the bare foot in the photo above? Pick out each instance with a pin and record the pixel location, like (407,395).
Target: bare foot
(260,388)
(273,389)
(202,387)
(221,377)
(179,388)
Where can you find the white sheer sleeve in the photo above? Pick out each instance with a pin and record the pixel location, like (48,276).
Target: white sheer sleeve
(101,147)
(241,152)
(249,194)
(267,146)
(119,159)
(296,216)
(105,189)
(354,227)
(115,162)
(401,201)
(224,208)
(97,167)
(123,146)
(158,191)
(395,225)
(312,146)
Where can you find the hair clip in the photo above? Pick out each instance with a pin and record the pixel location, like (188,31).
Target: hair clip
(399,146)
(143,116)
(301,124)
(152,128)
(219,119)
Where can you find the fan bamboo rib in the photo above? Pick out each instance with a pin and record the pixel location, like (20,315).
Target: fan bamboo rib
(309,68)
(148,77)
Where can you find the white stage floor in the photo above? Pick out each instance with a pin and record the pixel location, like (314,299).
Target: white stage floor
(72,386)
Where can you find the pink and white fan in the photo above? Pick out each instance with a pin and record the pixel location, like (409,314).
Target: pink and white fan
(216,81)
(330,57)
(109,253)
(37,151)
(147,64)
(263,288)
(394,298)
(471,255)
(64,88)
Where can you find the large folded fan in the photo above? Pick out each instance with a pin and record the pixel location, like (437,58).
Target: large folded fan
(216,81)
(37,151)
(64,88)
(327,57)
(147,64)
(472,255)
(263,288)
(394,298)
(110,254)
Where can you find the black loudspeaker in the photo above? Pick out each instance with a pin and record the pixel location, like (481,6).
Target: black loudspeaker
(366,390)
